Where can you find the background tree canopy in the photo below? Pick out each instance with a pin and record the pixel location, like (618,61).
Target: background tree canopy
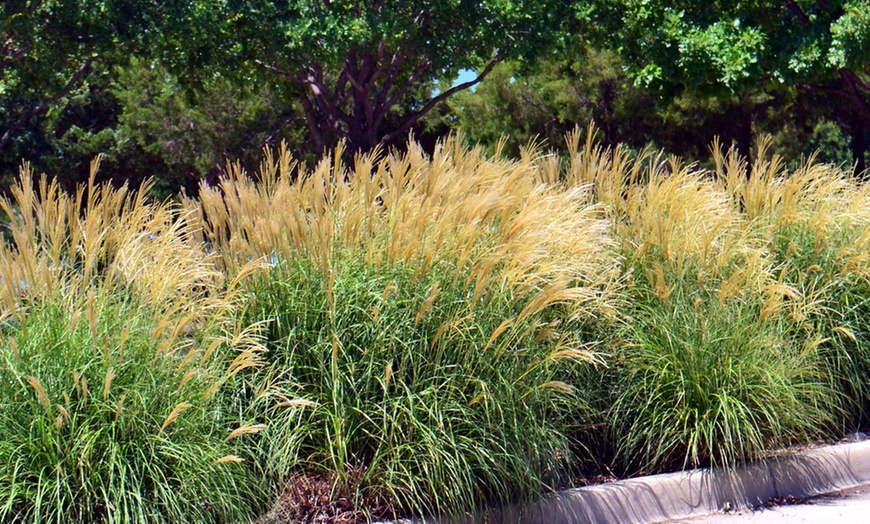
(365,71)
(174,90)
(746,51)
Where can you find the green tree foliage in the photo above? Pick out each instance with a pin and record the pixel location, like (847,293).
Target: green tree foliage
(351,64)
(48,48)
(520,104)
(57,67)
(517,103)
(192,134)
(147,124)
(742,49)
(175,89)
(360,71)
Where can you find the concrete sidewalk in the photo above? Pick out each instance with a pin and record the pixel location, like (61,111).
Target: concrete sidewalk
(851,506)
(674,496)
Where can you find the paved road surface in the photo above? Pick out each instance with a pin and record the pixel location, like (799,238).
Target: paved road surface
(851,506)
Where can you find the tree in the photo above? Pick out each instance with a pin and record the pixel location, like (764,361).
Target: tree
(516,104)
(587,85)
(147,125)
(48,48)
(746,48)
(353,64)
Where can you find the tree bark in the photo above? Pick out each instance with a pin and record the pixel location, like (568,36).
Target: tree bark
(356,106)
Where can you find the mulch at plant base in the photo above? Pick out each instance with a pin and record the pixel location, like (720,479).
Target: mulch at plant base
(313,499)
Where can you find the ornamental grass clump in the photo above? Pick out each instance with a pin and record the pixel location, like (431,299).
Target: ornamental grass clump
(704,382)
(425,319)
(713,364)
(818,224)
(117,345)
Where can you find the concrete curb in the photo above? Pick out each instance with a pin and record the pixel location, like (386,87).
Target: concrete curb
(698,492)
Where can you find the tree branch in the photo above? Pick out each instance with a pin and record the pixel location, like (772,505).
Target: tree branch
(312,121)
(339,94)
(851,77)
(381,60)
(314,83)
(327,106)
(798,12)
(363,77)
(384,104)
(421,68)
(80,73)
(411,120)
(280,72)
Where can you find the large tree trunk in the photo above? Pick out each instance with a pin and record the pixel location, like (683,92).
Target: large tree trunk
(353,103)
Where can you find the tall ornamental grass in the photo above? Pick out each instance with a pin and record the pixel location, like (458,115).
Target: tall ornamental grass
(117,347)
(818,223)
(426,318)
(716,362)
(421,334)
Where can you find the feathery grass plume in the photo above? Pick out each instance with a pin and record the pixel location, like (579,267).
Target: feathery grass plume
(41,397)
(405,209)
(386,310)
(110,375)
(754,190)
(229,459)
(96,283)
(247,429)
(609,171)
(818,229)
(717,331)
(174,414)
(679,214)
